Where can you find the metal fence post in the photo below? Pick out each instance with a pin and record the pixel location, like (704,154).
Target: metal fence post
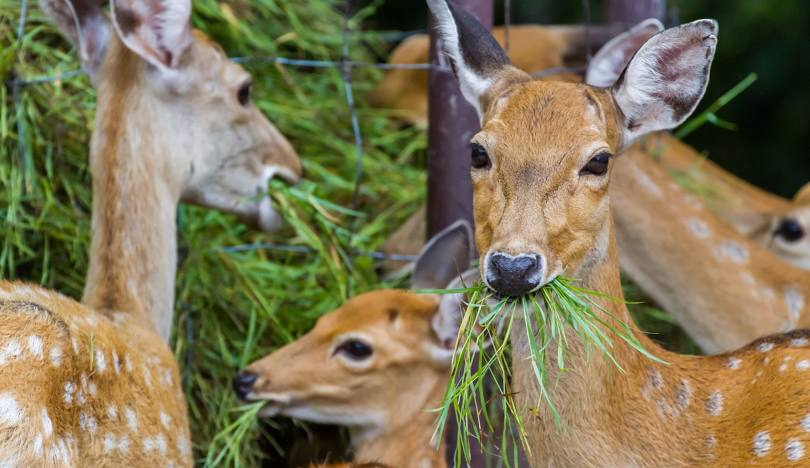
(452,123)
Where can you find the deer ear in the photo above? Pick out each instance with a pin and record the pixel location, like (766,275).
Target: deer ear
(803,195)
(607,65)
(444,257)
(84,25)
(477,59)
(157,30)
(666,79)
(446,321)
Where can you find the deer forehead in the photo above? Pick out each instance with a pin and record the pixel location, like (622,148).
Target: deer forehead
(549,124)
(386,310)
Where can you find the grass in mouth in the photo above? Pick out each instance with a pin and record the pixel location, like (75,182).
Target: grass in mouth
(479,390)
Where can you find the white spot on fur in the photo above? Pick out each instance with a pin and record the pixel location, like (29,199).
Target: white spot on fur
(684,395)
(87,422)
(116,362)
(127,363)
(10,412)
(182,446)
(11,351)
(783,368)
(698,228)
(70,389)
(47,425)
(132,419)
(794,449)
(37,445)
(647,183)
(765,347)
(166,378)
(762,443)
(798,342)
(714,405)
(733,251)
(112,411)
(711,441)
(113,443)
(165,419)
(92,388)
(101,361)
(804,364)
(806,423)
(795,303)
(35,345)
(56,356)
(75,345)
(734,363)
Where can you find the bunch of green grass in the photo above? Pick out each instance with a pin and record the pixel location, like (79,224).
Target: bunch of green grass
(479,391)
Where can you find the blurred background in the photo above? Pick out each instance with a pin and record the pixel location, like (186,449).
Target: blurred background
(772,145)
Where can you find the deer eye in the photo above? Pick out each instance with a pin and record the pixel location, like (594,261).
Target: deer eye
(355,350)
(479,157)
(598,165)
(790,230)
(243,95)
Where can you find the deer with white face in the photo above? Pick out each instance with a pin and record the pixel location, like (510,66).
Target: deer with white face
(379,364)
(95,384)
(541,171)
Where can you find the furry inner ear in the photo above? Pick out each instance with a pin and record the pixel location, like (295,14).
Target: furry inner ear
(607,65)
(157,30)
(444,257)
(477,58)
(84,24)
(666,79)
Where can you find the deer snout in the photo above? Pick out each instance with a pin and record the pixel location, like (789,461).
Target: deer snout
(243,384)
(513,275)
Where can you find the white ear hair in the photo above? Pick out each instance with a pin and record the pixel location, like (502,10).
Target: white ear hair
(447,320)
(476,55)
(666,79)
(157,30)
(607,65)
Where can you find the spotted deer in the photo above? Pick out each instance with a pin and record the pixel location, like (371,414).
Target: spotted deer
(379,364)
(541,167)
(95,384)
(768,219)
(671,243)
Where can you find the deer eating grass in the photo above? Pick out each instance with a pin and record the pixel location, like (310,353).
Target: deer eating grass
(670,243)
(378,365)
(95,384)
(541,170)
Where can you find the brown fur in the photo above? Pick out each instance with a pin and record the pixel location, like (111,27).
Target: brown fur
(385,404)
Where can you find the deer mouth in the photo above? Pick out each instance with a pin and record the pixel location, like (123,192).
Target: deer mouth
(274,403)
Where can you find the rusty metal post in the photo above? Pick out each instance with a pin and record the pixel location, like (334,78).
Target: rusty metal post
(634,11)
(452,123)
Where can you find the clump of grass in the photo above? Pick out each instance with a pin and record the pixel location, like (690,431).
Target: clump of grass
(483,358)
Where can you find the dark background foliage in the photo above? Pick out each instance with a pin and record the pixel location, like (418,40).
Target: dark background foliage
(770,147)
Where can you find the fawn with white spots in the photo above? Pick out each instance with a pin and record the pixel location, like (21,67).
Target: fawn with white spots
(378,364)
(541,169)
(95,384)
(723,288)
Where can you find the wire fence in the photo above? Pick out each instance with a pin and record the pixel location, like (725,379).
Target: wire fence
(346,67)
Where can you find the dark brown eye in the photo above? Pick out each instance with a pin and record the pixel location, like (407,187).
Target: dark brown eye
(355,350)
(479,157)
(598,165)
(243,95)
(790,230)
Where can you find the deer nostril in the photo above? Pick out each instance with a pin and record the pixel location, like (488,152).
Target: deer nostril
(514,275)
(243,383)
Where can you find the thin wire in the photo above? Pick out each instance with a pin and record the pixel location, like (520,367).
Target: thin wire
(302,249)
(586,12)
(507,23)
(16,91)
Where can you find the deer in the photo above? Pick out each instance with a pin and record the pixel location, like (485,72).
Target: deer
(379,364)
(770,220)
(670,241)
(94,383)
(541,169)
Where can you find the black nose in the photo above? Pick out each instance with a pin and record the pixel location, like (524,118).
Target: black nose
(790,230)
(512,275)
(243,384)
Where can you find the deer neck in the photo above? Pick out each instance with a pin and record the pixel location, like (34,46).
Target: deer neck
(407,438)
(587,394)
(132,261)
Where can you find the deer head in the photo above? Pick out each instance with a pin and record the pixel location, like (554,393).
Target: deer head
(541,163)
(378,361)
(145,60)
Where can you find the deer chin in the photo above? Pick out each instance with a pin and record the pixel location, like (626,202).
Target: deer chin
(269,220)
